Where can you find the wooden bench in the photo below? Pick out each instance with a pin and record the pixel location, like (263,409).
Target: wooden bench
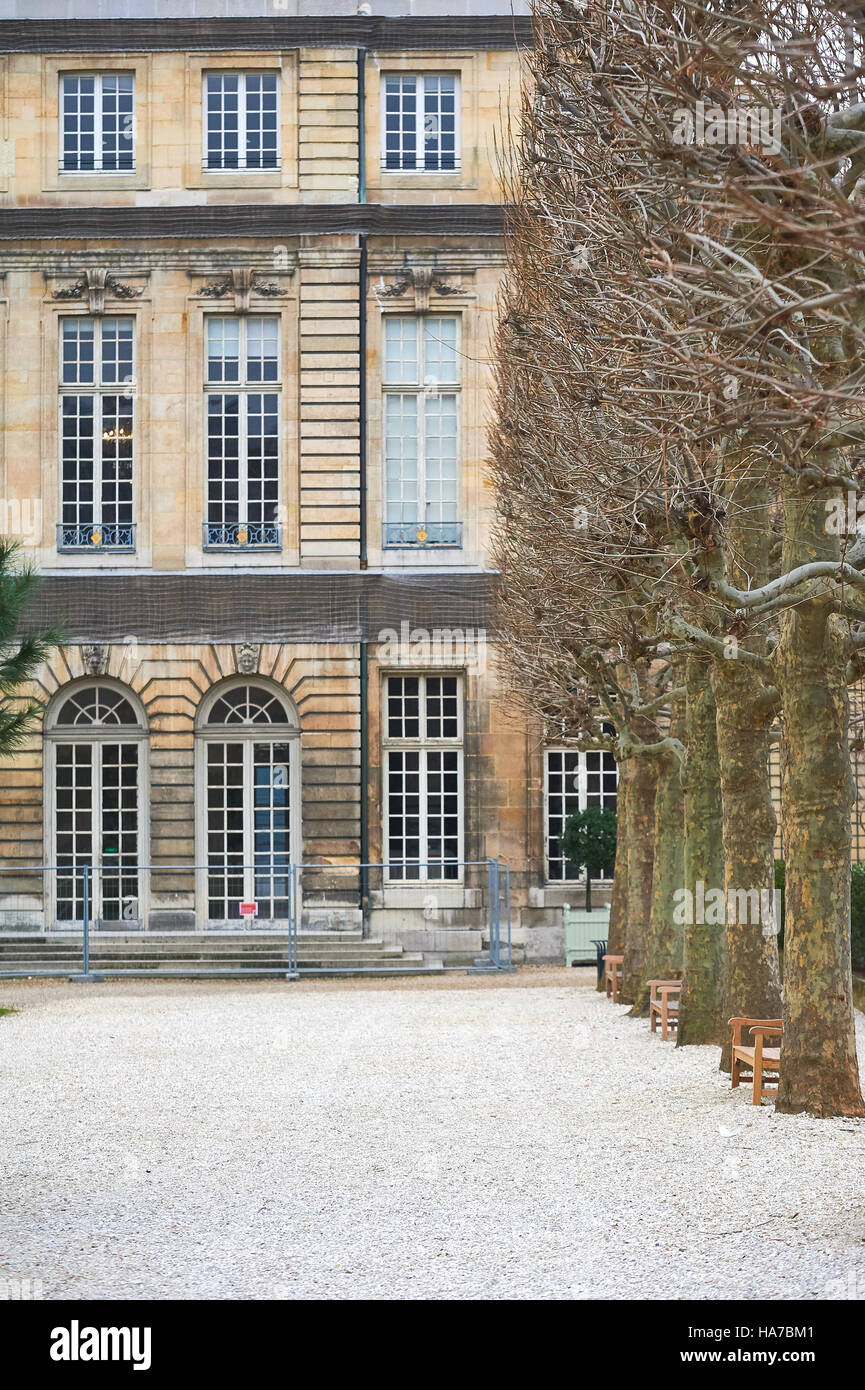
(758,1058)
(664,1006)
(613,976)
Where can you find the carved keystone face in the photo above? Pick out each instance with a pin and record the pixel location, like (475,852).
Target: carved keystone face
(246,656)
(95,658)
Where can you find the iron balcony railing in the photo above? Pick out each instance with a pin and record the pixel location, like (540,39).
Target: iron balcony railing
(242,535)
(81,164)
(265,165)
(95,536)
(424,534)
(398,164)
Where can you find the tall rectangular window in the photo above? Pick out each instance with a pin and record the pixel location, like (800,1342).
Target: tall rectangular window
(242,433)
(241,120)
(97,123)
(421,431)
(420,120)
(423,777)
(97,362)
(574,780)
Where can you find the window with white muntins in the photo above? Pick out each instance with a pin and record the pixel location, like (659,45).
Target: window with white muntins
(421,386)
(97,123)
(420,123)
(574,780)
(242,359)
(423,776)
(241,121)
(249,780)
(96,742)
(97,364)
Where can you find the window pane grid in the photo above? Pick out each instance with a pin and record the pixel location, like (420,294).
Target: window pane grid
(423,783)
(439,124)
(421,429)
(248,811)
(241,121)
(96,433)
(420,123)
(271,828)
(225,847)
(440,450)
(242,502)
(96,825)
(401,366)
(97,113)
(575,780)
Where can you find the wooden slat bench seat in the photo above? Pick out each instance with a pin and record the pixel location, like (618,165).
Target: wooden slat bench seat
(613,976)
(664,1006)
(756,1057)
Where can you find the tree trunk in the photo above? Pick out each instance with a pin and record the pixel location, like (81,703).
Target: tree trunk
(701,1009)
(619,898)
(819,1071)
(641,774)
(744,717)
(663,955)
(752,978)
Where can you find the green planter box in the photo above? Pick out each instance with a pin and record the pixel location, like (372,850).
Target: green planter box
(581,929)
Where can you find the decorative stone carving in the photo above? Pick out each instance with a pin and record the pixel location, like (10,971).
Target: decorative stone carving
(96,284)
(268,289)
(242,283)
(422,280)
(120,290)
(95,658)
(246,656)
(395,289)
(217,288)
(72,291)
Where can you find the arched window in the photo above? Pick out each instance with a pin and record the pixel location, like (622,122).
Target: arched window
(96,705)
(249,800)
(95,736)
(248,704)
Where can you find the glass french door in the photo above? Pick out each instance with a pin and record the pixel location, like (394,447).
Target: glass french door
(248,828)
(96,824)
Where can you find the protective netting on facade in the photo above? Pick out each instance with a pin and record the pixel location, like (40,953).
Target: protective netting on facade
(251,220)
(244,607)
(374,32)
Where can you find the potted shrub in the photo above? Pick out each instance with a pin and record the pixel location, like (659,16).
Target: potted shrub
(589,842)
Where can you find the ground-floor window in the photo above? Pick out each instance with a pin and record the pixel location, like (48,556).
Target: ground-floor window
(423,765)
(574,780)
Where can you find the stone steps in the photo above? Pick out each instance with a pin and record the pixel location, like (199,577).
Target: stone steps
(194,949)
(324,953)
(250,938)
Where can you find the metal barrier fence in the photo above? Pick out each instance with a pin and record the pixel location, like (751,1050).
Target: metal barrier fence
(440,908)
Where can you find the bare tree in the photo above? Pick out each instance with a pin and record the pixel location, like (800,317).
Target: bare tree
(686,310)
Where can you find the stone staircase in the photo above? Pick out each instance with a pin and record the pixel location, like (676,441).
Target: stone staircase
(318,953)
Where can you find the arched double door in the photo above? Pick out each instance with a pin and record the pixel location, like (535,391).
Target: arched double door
(248,820)
(247,805)
(96,738)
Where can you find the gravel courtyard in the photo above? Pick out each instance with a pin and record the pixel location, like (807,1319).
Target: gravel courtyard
(452,1138)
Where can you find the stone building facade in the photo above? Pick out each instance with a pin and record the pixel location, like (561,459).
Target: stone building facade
(248,275)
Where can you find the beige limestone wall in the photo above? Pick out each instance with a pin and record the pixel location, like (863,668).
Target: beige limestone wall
(169,289)
(317,92)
